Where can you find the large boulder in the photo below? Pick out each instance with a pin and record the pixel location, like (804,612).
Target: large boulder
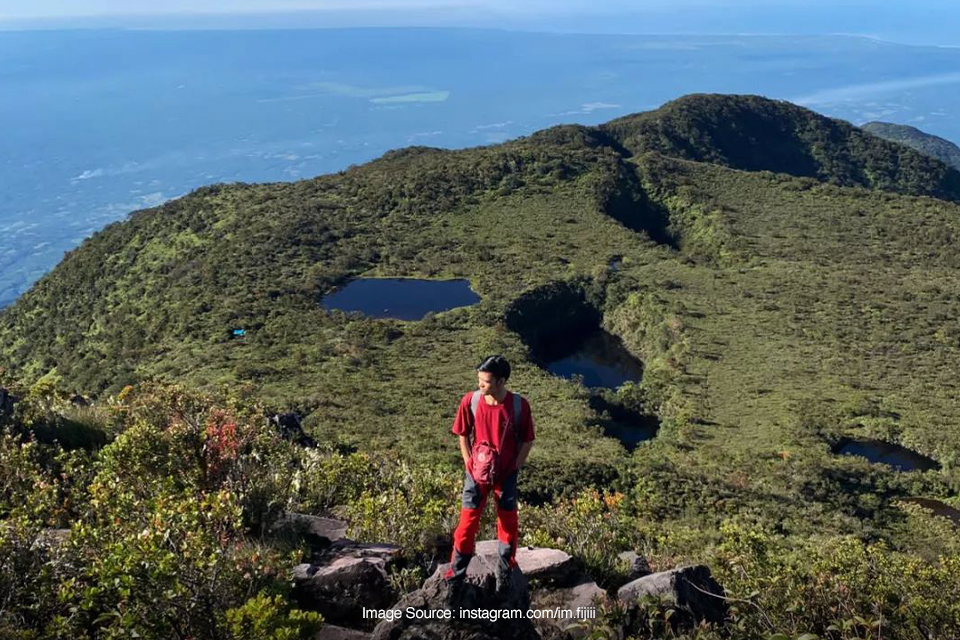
(318,531)
(478,614)
(692,590)
(581,599)
(548,566)
(346,578)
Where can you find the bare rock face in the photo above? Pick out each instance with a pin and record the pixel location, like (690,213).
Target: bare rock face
(693,591)
(478,613)
(347,578)
(316,530)
(550,566)
(581,599)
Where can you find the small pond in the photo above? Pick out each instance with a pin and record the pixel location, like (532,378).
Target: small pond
(400,298)
(628,426)
(631,435)
(600,358)
(894,455)
(938,508)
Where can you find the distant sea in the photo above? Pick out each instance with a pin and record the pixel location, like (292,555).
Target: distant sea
(98,123)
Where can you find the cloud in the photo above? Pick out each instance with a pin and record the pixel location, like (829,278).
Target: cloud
(433,96)
(353,91)
(117,209)
(290,98)
(854,92)
(127,167)
(587,107)
(592,106)
(495,125)
(90,173)
(377,95)
(423,134)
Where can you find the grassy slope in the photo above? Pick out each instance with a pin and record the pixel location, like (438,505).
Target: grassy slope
(828,311)
(832,294)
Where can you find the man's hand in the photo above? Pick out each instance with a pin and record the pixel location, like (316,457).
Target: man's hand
(465,450)
(524,452)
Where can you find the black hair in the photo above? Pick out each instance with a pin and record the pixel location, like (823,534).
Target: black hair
(497,365)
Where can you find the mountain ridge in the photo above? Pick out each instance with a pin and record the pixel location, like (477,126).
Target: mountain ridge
(929,144)
(185,244)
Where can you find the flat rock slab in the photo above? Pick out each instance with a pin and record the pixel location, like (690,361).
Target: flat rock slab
(432,618)
(344,547)
(539,563)
(689,588)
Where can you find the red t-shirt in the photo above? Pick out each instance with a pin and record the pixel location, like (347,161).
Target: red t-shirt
(492,421)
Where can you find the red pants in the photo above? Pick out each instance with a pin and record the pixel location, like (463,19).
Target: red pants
(472,503)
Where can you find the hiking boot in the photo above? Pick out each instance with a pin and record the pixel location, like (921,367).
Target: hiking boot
(454,593)
(503,576)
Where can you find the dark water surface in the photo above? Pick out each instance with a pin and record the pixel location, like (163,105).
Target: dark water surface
(600,358)
(401,298)
(894,455)
(630,435)
(938,508)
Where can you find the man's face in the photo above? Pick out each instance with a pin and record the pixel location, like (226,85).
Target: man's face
(488,384)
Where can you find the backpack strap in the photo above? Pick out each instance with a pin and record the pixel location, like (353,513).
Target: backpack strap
(474,403)
(517,411)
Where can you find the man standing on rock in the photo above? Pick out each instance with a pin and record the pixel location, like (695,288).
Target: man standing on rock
(499,422)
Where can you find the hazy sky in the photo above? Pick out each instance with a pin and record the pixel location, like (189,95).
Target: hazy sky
(908,21)
(63,8)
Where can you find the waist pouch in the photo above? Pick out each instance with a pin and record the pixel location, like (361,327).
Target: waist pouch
(483,463)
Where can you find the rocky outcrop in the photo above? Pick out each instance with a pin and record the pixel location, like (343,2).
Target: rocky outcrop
(550,566)
(346,578)
(347,582)
(478,613)
(692,590)
(318,531)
